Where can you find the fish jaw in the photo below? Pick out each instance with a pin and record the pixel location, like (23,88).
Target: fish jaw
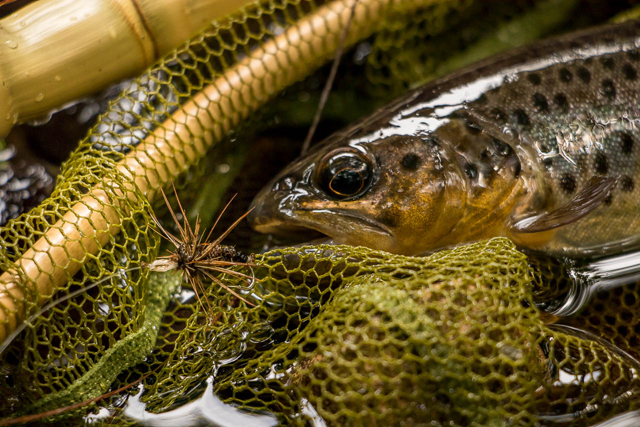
(294,213)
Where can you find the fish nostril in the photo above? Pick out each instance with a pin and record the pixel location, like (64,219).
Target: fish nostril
(283,184)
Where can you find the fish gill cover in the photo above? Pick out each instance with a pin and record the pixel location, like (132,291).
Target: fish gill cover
(335,334)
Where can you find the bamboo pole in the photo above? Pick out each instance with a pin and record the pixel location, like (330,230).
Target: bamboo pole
(180,141)
(53,52)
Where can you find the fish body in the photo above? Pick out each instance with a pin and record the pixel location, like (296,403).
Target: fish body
(541,145)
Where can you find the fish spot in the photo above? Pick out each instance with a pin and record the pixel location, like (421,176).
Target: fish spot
(607,63)
(548,162)
(634,55)
(521,117)
(540,102)
(471,170)
(565,75)
(534,79)
(499,115)
(561,101)
(609,200)
(410,161)
(629,72)
(601,164)
(584,74)
(473,128)
(627,184)
(482,99)
(627,142)
(568,183)
(608,88)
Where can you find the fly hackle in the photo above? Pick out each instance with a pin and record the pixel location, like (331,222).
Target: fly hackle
(198,257)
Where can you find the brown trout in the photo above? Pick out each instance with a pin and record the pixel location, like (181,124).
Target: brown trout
(540,144)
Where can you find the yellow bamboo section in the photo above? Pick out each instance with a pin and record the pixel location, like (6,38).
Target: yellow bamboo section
(190,131)
(53,52)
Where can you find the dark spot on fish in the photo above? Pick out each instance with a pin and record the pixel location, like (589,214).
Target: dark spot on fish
(521,117)
(568,183)
(627,184)
(485,154)
(544,148)
(609,200)
(388,218)
(471,171)
(589,60)
(565,75)
(499,115)
(584,74)
(627,142)
(561,101)
(548,162)
(629,72)
(607,63)
(608,88)
(502,148)
(474,128)
(634,55)
(534,79)
(410,161)
(600,163)
(540,102)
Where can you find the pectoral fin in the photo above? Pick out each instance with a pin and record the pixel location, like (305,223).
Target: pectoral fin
(590,197)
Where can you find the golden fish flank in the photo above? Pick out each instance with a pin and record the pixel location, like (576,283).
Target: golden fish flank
(540,145)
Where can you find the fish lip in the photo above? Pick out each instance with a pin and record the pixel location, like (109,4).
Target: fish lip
(369,223)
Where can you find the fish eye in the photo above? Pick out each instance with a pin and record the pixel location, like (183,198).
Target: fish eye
(345,175)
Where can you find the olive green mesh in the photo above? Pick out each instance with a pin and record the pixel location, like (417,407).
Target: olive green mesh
(339,334)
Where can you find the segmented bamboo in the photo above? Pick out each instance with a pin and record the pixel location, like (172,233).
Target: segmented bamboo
(53,52)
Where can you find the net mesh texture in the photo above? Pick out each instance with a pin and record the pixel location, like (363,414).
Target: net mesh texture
(338,335)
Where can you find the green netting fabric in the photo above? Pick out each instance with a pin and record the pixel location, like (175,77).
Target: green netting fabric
(346,335)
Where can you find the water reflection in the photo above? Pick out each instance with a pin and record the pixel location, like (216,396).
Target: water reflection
(208,410)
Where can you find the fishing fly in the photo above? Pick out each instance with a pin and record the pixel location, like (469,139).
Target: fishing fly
(198,257)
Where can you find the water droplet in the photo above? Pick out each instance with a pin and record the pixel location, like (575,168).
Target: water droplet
(113,33)
(39,97)
(23,24)
(73,18)
(12,44)
(57,78)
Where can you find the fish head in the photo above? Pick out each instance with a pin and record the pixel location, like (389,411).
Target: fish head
(396,193)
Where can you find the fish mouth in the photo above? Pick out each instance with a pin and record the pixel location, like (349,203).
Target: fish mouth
(294,224)
(368,224)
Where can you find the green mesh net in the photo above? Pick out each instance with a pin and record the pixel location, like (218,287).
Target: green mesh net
(338,335)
